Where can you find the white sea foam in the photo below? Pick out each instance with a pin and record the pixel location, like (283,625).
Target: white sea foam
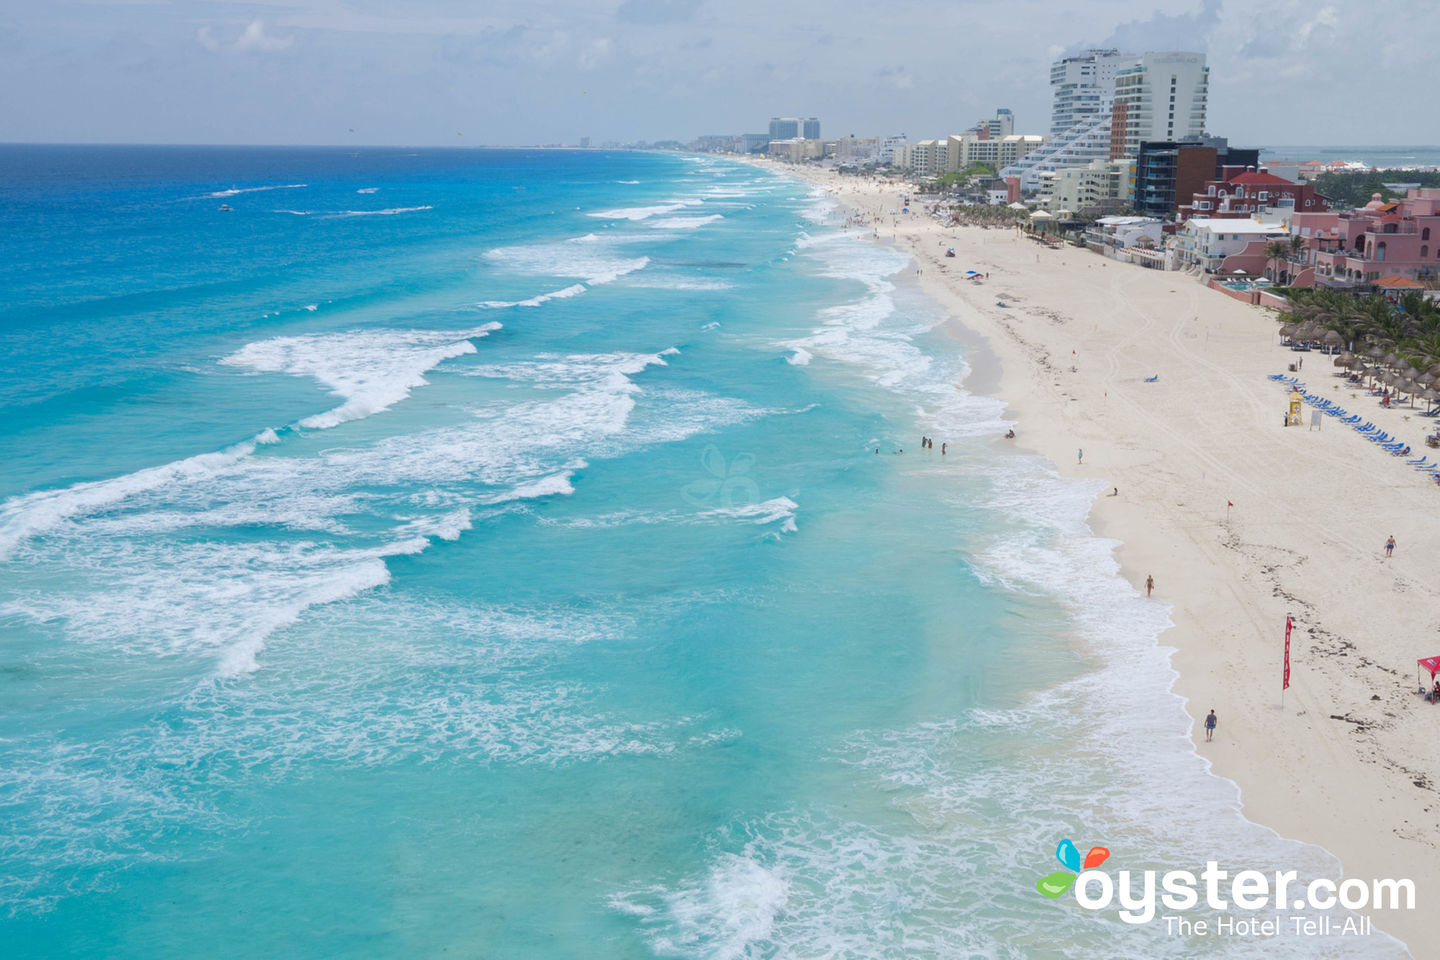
(236,191)
(556,485)
(779,509)
(373,370)
(590,260)
(725,916)
(446,526)
(368,190)
(387,212)
(678,283)
(336,214)
(645,213)
(574,290)
(32,514)
(685,223)
(312,307)
(799,357)
(871,337)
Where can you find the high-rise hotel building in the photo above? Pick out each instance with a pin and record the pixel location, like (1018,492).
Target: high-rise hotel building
(1084,87)
(1160,96)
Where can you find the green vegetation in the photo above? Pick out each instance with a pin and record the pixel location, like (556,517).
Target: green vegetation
(987,216)
(1411,331)
(1350,189)
(956,179)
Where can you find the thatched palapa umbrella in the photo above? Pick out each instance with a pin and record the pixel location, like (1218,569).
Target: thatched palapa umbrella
(1288,330)
(1332,338)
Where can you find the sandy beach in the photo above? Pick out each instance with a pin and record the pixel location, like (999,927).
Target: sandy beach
(1349,761)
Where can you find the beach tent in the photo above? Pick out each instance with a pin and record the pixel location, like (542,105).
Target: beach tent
(1430,665)
(1041,215)
(1017,205)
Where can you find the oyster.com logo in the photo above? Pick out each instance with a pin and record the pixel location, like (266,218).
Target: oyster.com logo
(1300,907)
(1057,883)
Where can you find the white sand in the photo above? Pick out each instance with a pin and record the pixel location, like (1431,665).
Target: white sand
(1352,761)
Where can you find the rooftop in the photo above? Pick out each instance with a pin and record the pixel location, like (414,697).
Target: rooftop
(1222,225)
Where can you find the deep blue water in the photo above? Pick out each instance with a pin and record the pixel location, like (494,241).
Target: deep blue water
(486,553)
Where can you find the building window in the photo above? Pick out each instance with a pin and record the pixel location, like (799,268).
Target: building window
(1380,250)
(1425,234)
(1424,252)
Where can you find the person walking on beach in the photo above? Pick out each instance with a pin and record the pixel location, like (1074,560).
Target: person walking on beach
(1080,455)
(1390,547)
(1210,722)
(1149,585)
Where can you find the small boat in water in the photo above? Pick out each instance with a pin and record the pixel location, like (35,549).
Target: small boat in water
(226,207)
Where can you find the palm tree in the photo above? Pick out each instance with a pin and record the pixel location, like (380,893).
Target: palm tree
(1274,252)
(1422,351)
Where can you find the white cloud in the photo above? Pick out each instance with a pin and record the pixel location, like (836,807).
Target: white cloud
(253,39)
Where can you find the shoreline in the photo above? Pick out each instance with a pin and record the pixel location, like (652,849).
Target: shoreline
(1344,764)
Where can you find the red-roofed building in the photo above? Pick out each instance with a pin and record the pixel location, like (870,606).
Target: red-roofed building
(1396,282)
(1245,192)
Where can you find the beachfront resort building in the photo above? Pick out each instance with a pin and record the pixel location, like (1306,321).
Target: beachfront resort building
(1128,239)
(1084,89)
(853,149)
(925,158)
(1170,172)
(1101,186)
(1002,125)
(1353,249)
(796,149)
(1160,96)
(1243,192)
(1230,247)
(790,128)
(888,146)
(964,149)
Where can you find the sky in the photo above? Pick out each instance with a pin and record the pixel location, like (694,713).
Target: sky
(427,72)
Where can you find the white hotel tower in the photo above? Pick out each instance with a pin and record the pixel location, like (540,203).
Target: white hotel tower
(1159,96)
(1084,88)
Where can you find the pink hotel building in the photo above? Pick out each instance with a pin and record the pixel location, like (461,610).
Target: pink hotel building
(1355,248)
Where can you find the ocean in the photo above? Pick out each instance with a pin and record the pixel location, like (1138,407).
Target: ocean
(512,554)
(1383,157)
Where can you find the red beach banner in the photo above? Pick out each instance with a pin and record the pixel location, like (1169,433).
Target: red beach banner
(1285,683)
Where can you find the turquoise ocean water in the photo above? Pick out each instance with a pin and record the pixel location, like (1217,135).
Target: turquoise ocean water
(484,553)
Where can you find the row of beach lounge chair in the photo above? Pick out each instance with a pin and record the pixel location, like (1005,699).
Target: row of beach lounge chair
(1366,429)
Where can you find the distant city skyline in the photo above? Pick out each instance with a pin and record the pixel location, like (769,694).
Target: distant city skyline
(437,72)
